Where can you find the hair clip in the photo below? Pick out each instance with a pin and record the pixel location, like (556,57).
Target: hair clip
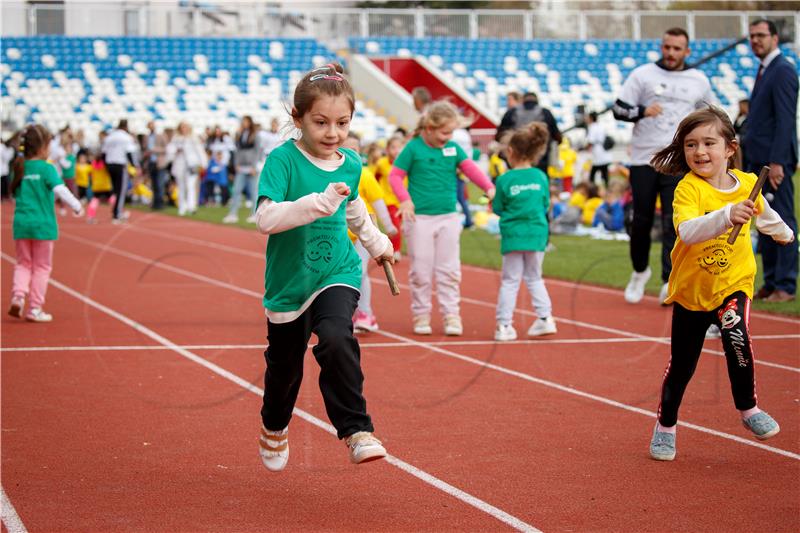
(316,77)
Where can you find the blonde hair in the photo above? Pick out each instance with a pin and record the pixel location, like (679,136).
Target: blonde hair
(437,115)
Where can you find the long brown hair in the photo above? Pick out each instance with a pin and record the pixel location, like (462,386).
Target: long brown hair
(328,80)
(34,137)
(672,160)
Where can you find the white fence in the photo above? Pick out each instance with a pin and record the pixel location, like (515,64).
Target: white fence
(335,26)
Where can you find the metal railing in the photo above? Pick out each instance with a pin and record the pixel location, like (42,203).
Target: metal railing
(336,26)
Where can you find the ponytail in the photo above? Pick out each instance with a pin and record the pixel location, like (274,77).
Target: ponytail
(33,139)
(18,169)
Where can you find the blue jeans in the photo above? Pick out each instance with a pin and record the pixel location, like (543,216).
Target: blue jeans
(241,180)
(461,196)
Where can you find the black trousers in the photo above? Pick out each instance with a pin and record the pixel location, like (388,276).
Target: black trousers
(340,379)
(117,173)
(688,334)
(603,170)
(646,186)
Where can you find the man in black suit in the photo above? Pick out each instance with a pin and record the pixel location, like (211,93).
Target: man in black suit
(771,140)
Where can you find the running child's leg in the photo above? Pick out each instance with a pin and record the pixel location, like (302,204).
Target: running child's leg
(284,357)
(733,319)
(688,334)
(23,269)
(447,263)
(41,266)
(513,263)
(340,380)
(532,274)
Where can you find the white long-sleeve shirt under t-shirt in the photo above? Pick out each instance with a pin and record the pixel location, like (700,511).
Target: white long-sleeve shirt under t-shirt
(678,92)
(276,217)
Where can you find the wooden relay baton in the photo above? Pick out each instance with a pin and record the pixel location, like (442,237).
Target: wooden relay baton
(762,178)
(387,269)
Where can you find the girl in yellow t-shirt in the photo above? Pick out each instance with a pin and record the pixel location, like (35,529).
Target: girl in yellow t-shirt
(382,168)
(711,281)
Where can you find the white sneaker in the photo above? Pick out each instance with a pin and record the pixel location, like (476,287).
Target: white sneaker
(37,315)
(17,305)
(364,447)
(662,295)
(422,325)
(452,325)
(251,219)
(713,332)
(505,332)
(273,446)
(542,326)
(230,219)
(634,292)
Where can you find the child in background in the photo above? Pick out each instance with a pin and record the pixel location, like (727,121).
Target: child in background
(34,185)
(711,281)
(83,175)
(522,201)
(372,194)
(593,201)
(382,168)
(308,199)
(497,166)
(216,179)
(101,188)
(566,169)
(431,224)
(610,215)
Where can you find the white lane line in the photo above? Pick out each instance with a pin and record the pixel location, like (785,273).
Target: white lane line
(481,303)
(554,385)
(465,497)
(127,347)
(10,518)
(590,396)
(618,292)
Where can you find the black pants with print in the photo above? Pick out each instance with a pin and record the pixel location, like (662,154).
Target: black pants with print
(688,334)
(646,186)
(340,380)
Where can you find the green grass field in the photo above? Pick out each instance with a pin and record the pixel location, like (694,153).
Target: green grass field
(574,258)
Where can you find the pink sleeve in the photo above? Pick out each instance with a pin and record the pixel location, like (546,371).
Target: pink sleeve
(475,174)
(396,176)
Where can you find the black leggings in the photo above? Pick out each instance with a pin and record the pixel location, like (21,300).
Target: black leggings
(117,173)
(688,334)
(646,186)
(340,380)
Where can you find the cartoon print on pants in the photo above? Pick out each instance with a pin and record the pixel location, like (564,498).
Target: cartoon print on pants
(727,315)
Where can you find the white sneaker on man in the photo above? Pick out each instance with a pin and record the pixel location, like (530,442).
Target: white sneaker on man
(634,292)
(251,219)
(662,295)
(505,332)
(542,326)
(230,219)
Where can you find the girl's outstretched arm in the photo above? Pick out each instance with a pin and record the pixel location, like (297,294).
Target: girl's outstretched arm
(771,223)
(66,196)
(275,217)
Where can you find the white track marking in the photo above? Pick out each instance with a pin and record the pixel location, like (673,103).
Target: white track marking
(618,292)
(465,497)
(200,277)
(524,376)
(11,519)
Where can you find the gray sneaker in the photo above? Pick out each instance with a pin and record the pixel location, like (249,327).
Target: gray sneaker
(662,446)
(762,425)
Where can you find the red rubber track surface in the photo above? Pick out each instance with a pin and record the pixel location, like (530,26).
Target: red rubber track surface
(555,433)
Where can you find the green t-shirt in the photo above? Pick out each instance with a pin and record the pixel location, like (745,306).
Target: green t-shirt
(431,175)
(308,258)
(68,172)
(34,210)
(521,200)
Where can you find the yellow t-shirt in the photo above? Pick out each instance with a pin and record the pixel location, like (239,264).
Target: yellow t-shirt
(589,209)
(578,199)
(369,191)
(382,169)
(568,156)
(82,172)
(101,180)
(704,274)
(497,167)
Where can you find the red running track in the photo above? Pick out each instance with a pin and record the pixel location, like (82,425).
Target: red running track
(137,408)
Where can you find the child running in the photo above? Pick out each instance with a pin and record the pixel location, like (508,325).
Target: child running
(431,224)
(711,281)
(308,194)
(34,186)
(522,202)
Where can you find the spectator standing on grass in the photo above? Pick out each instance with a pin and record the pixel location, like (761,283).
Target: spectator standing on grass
(531,111)
(155,157)
(655,97)
(771,140)
(34,185)
(596,142)
(244,159)
(118,149)
(712,280)
(522,201)
(188,158)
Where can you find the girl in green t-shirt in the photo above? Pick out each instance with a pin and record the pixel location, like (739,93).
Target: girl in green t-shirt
(308,199)
(431,224)
(521,202)
(34,186)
